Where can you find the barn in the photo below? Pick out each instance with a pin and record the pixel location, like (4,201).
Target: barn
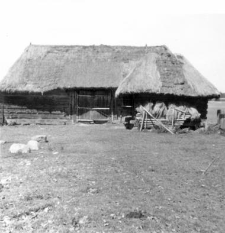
(70,84)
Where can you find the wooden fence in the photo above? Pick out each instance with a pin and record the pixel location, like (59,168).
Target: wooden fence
(221,118)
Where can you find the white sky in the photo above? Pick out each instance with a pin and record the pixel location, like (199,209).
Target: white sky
(194,28)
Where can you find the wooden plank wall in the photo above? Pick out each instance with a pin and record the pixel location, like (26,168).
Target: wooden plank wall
(89,105)
(1,114)
(92,105)
(23,108)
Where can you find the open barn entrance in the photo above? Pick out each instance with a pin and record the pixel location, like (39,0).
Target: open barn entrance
(91,105)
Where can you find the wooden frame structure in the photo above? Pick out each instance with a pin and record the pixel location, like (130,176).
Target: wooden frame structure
(91,105)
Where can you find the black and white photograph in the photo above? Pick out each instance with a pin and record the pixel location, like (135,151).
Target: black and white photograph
(112,116)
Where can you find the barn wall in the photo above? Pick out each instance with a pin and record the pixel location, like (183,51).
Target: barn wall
(124,106)
(23,108)
(1,109)
(60,107)
(93,105)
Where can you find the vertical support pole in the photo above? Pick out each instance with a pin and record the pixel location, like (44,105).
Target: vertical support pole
(3,115)
(75,118)
(116,109)
(111,105)
(218,116)
(72,106)
(133,110)
(143,119)
(173,117)
(222,116)
(145,123)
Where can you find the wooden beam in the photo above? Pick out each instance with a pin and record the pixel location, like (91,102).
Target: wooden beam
(76,117)
(157,120)
(3,115)
(133,112)
(72,105)
(94,108)
(142,123)
(111,104)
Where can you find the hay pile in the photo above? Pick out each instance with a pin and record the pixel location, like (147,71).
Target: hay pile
(171,112)
(181,111)
(159,110)
(148,106)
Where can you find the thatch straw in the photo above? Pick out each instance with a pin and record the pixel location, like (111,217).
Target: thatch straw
(198,83)
(143,78)
(148,106)
(44,68)
(131,69)
(167,74)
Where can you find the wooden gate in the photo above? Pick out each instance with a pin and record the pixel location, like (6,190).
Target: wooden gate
(91,105)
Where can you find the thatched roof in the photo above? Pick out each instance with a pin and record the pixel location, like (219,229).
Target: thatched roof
(132,69)
(166,73)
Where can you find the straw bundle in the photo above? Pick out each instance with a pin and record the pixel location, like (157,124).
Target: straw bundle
(181,111)
(174,111)
(160,110)
(194,113)
(148,106)
(171,113)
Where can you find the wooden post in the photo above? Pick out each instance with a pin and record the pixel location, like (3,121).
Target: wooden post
(221,118)
(145,123)
(76,117)
(116,110)
(173,117)
(111,105)
(142,123)
(157,120)
(133,106)
(218,116)
(72,105)
(3,115)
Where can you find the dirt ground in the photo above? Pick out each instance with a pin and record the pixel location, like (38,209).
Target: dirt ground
(103,178)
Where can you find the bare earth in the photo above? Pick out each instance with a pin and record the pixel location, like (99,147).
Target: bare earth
(103,178)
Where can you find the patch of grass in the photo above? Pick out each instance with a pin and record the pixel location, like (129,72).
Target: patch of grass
(108,179)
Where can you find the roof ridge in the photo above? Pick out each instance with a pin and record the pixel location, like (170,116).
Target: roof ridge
(101,45)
